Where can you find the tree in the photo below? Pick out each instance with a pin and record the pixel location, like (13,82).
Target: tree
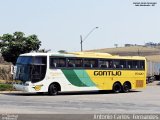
(13,45)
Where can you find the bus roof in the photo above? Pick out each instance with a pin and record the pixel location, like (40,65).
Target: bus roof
(84,54)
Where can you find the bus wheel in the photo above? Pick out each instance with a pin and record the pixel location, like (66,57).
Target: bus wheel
(53,89)
(117,87)
(126,87)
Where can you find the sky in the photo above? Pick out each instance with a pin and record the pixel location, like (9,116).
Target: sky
(59,23)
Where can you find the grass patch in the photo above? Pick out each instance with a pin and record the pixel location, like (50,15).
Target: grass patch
(6,87)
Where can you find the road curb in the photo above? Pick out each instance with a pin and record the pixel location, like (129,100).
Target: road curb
(1,92)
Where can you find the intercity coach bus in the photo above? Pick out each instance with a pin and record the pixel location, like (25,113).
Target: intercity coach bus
(79,71)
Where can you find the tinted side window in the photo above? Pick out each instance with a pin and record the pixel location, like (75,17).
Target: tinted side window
(75,62)
(129,64)
(116,64)
(105,63)
(90,63)
(57,62)
(40,60)
(24,60)
(142,64)
(135,64)
(122,64)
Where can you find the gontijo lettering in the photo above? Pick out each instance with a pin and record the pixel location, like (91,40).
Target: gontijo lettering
(107,73)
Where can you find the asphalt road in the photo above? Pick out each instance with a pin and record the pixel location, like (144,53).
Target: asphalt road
(141,101)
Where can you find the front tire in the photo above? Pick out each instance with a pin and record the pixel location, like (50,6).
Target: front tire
(53,89)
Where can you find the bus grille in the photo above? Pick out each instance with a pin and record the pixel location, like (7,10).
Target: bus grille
(139,83)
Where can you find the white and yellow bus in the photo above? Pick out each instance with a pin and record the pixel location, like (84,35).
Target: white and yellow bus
(79,71)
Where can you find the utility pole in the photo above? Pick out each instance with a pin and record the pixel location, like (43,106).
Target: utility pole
(82,40)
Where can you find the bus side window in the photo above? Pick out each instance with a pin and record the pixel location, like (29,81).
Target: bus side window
(78,62)
(142,65)
(94,64)
(57,62)
(110,64)
(75,62)
(54,64)
(103,66)
(62,62)
(135,64)
(91,63)
(104,63)
(129,64)
(71,63)
(86,65)
(116,64)
(121,66)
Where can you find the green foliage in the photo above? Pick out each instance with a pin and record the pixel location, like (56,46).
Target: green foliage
(13,45)
(6,87)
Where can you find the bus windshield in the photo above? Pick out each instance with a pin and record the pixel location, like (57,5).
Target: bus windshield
(30,68)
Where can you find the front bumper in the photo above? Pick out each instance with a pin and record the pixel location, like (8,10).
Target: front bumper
(21,87)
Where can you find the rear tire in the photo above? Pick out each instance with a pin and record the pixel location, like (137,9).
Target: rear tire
(53,89)
(117,88)
(126,87)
